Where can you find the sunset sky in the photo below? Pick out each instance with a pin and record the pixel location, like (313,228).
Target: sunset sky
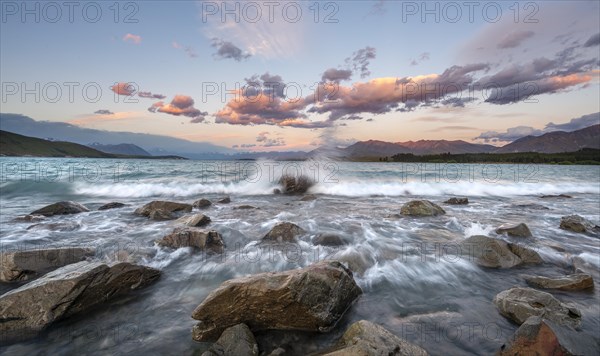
(351,71)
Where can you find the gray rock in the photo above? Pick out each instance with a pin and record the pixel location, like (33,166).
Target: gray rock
(526,254)
(225,200)
(579,224)
(576,281)
(488,252)
(61,208)
(202,203)
(308,299)
(26,265)
(556,196)
(457,201)
(67,291)
(284,232)
(112,205)
(195,220)
(29,218)
(189,237)
(245,207)
(163,207)
(237,340)
(329,240)
(514,230)
(295,185)
(518,304)
(367,339)
(276,191)
(421,208)
(58,226)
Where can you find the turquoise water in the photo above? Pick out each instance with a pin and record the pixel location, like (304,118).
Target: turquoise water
(413,285)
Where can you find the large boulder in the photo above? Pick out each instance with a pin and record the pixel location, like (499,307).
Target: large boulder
(61,208)
(579,224)
(295,184)
(576,281)
(421,208)
(202,203)
(198,239)
(26,265)
(457,201)
(195,220)
(113,205)
(284,232)
(309,299)
(518,304)
(495,253)
(514,230)
(162,208)
(67,291)
(237,340)
(537,336)
(367,339)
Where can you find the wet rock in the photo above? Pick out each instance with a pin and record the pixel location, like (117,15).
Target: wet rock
(202,203)
(514,230)
(112,205)
(61,226)
(61,208)
(579,224)
(276,191)
(237,340)
(284,232)
(532,206)
(225,200)
(421,208)
(488,252)
(29,218)
(327,239)
(457,201)
(526,254)
(313,298)
(576,281)
(278,352)
(27,265)
(518,304)
(368,339)
(309,197)
(67,291)
(195,220)
(295,185)
(162,208)
(556,196)
(161,215)
(357,261)
(245,207)
(199,239)
(537,336)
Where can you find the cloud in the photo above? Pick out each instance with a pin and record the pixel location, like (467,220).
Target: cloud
(592,41)
(149,95)
(575,124)
(135,39)
(457,102)
(510,134)
(360,60)
(123,88)
(181,105)
(262,136)
(247,145)
(422,57)
(452,127)
(227,50)
(103,112)
(336,75)
(514,39)
(189,51)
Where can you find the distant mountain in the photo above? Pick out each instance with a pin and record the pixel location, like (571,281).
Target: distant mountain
(422,147)
(555,142)
(122,149)
(12,144)
(154,144)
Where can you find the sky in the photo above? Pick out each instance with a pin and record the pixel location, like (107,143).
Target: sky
(290,75)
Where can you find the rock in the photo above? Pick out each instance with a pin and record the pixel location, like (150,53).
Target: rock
(284,232)
(556,196)
(518,304)
(112,205)
(457,201)
(367,339)
(29,218)
(61,226)
(278,352)
(489,252)
(61,208)
(329,240)
(67,291)
(526,254)
(294,185)
(161,215)
(245,207)
(225,200)
(237,340)
(313,298)
(537,336)
(514,230)
(576,281)
(195,220)
(163,207)
(421,208)
(276,191)
(202,203)
(309,197)
(532,206)
(579,224)
(26,265)
(188,237)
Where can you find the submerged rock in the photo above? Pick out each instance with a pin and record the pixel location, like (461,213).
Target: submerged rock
(457,201)
(367,339)
(327,239)
(237,340)
(518,304)
(188,237)
(26,265)
(284,232)
(295,185)
(421,208)
(225,200)
(576,281)
(202,203)
(309,197)
(29,218)
(67,291)
(537,336)
(579,224)
(556,196)
(313,298)
(514,230)
(112,205)
(162,208)
(245,207)
(61,208)
(59,226)
(195,220)
(495,253)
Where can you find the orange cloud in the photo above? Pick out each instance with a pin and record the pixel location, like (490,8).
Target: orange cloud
(135,39)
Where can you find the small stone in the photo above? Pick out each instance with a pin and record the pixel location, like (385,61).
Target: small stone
(457,201)
(514,230)
(202,203)
(112,205)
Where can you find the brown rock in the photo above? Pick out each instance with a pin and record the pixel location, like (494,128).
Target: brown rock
(576,281)
(457,201)
(61,208)
(164,207)
(202,203)
(26,265)
(295,185)
(421,208)
(160,215)
(309,197)
(199,239)
(579,224)
(29,218)
(514,230)
(284,232)
(329,240)
(225,200)
(195,220)
(112,205)
(237,340)
(488,252)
